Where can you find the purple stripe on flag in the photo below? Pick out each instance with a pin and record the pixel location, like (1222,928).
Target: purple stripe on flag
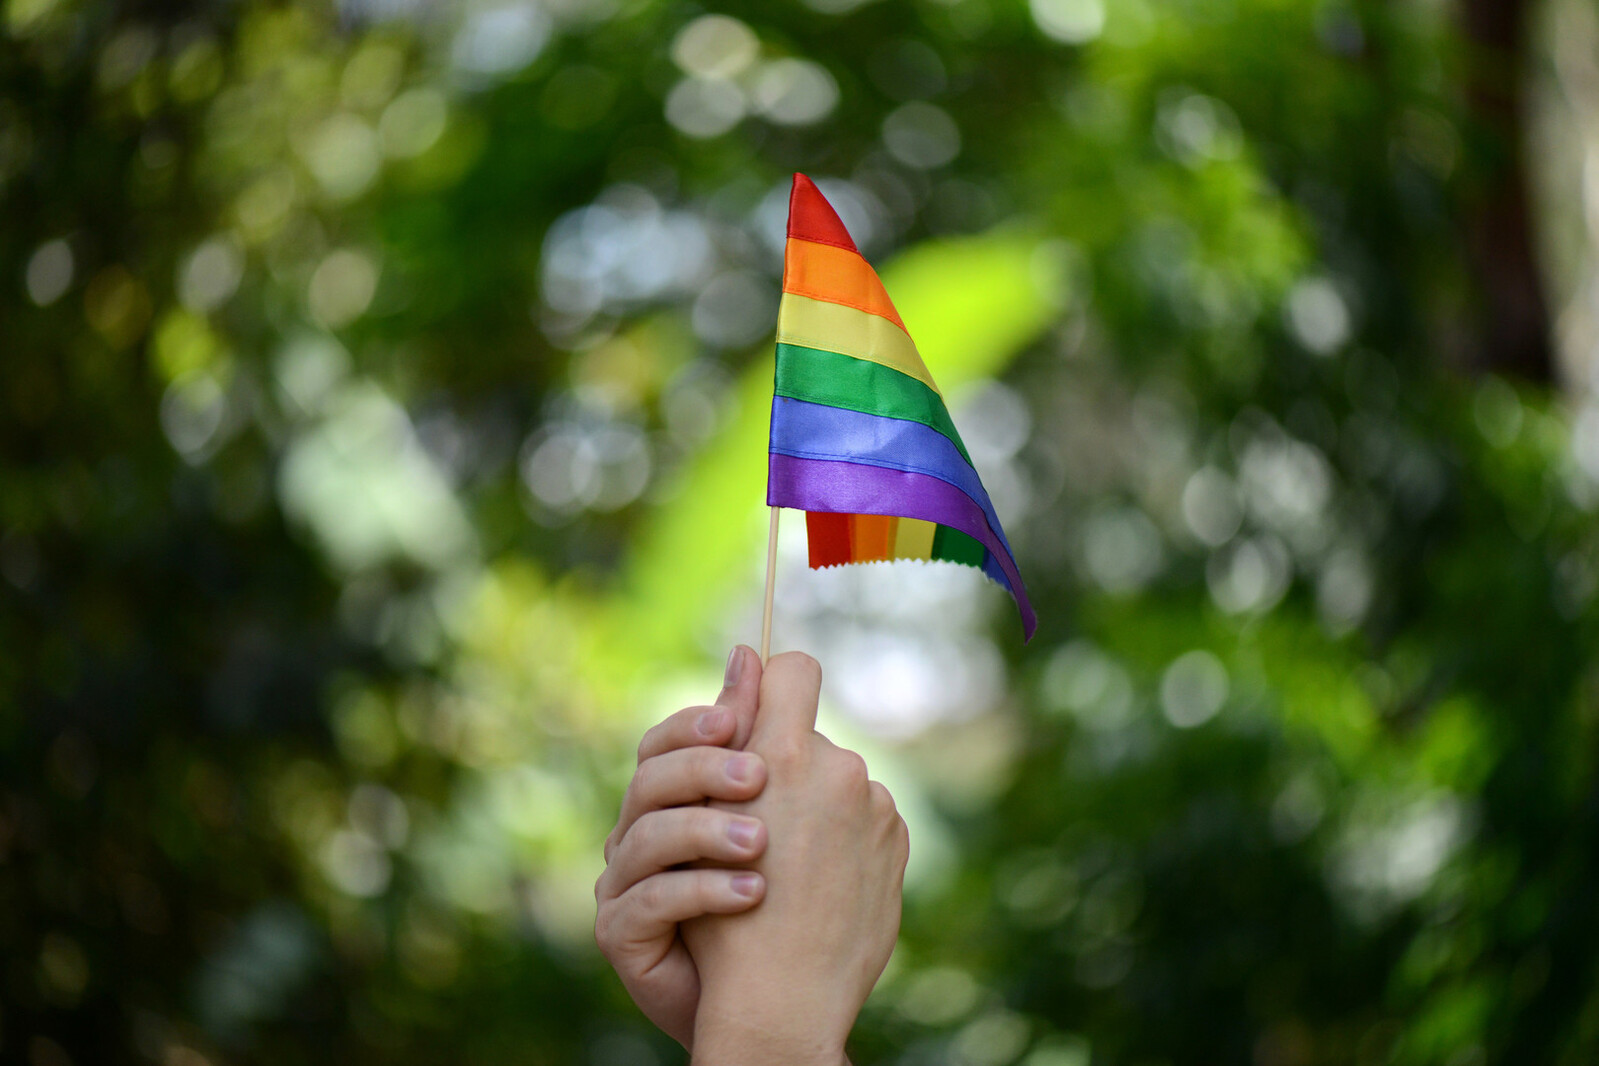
(815,431)
(855,488)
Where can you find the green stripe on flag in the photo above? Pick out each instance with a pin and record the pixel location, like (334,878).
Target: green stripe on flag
(819,376)
(951,545)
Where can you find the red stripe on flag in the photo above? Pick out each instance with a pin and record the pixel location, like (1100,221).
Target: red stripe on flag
(812,218)
(828,535)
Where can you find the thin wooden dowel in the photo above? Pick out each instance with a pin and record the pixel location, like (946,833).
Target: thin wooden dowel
(771,582)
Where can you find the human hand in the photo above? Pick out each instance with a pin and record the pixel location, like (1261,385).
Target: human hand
(783,982)
(642,895)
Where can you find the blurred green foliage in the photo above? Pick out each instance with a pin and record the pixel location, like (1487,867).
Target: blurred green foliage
(384,388)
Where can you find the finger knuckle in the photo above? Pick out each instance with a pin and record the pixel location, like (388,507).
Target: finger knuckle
(604,930)
(709,830)
(645,832)
(705,767)
(645,779)
(882,803)
(690,888)
(651,895)
(666,735)
(708,760)
(707,887)
(851,768)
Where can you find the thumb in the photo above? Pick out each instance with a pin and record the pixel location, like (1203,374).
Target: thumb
(790,688)
(741,687)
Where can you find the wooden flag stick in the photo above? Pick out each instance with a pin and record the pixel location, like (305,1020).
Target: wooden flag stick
(771,575)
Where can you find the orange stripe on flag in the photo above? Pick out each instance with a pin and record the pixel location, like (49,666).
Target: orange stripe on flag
(871,537)
(835,275)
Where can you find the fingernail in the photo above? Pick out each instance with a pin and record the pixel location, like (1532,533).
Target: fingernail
(746,884)
(710,723)
(740,768)
(741,831)
(735,667)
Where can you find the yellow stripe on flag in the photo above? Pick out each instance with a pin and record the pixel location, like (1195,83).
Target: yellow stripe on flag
(838,328)
(913,539)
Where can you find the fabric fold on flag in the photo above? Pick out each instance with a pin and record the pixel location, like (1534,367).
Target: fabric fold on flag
(861,438)
(814,431)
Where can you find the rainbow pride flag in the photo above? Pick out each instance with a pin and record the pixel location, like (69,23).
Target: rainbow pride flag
(861,439)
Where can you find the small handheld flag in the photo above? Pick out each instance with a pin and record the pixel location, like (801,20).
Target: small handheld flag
(861,440)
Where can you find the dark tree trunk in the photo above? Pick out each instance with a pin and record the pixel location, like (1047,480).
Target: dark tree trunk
(1513,328)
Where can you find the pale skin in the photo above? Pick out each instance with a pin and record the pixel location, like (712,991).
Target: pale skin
(687,760)
(779,974)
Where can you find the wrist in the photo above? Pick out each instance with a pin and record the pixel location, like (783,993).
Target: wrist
(741,1037)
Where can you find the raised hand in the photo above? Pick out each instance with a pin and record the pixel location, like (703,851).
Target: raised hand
(783,982)
(684,761)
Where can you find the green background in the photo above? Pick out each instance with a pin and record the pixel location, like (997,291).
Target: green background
(383,395)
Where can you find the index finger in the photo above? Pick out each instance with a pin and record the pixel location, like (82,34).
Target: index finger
(690,727)
(791,686)
(702,725)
